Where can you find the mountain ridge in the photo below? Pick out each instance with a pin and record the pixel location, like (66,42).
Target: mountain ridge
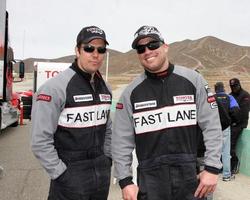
(213,57)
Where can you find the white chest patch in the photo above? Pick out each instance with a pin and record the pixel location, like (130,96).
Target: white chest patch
(183,99)
(145,104)
(83,98)
(105,97)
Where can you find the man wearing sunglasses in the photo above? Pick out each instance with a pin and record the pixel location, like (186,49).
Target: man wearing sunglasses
(71,126)
(158,114)
(243,99)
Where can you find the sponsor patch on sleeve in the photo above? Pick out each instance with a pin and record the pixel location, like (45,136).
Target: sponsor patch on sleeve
(43,97)
(214,105)
(211,99)
(119,106)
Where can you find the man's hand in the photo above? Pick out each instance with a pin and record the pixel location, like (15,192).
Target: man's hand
(130,192)
(208,182)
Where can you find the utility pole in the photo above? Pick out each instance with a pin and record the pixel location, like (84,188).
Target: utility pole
(23,43)
(107,66)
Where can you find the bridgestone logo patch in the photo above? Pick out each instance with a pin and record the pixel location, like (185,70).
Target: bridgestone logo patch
(145,104)
(83,98)
(163,118)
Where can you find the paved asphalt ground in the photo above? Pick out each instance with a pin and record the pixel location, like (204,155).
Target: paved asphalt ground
(24,178)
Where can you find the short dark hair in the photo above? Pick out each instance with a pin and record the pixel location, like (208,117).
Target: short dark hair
(219,87)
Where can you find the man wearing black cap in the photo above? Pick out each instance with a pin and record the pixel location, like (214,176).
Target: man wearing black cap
(229,114)
(243,99)
(71,127)
(158,115)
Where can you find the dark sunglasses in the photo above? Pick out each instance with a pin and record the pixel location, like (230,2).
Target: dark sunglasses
(234,86)
(90,49)
(151,46)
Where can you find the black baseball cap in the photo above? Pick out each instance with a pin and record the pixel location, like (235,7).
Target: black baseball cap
(234,82)
(146,31)
(90,33)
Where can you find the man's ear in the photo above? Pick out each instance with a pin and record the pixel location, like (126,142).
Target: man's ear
(77,52)
(165,47)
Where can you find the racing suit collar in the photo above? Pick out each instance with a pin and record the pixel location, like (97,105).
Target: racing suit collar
(161,75)
(86,75)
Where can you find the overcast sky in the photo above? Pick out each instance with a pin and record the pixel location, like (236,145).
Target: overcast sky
(48,28)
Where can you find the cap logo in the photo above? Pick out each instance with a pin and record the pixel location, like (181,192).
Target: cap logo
(148,30)
(95,30)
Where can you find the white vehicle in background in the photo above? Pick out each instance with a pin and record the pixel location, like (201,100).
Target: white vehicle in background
(46,70)
(43,71)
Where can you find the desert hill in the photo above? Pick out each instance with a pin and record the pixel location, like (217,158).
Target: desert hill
(216,59)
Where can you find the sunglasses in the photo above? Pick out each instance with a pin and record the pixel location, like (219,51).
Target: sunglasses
(151,46)
(90,49)
(234,86)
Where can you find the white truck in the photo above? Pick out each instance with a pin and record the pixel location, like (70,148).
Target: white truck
(46,70)
(9,101)
(42,72)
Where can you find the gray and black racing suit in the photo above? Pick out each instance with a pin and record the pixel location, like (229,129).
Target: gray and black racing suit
(158,115)
(71,134)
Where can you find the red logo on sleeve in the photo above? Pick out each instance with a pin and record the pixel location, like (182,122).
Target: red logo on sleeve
(119,106)
(43,97)
(211,99)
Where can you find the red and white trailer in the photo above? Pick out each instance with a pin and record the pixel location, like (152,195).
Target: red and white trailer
(9,101)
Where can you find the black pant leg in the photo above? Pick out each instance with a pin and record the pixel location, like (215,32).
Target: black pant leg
(235,133)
